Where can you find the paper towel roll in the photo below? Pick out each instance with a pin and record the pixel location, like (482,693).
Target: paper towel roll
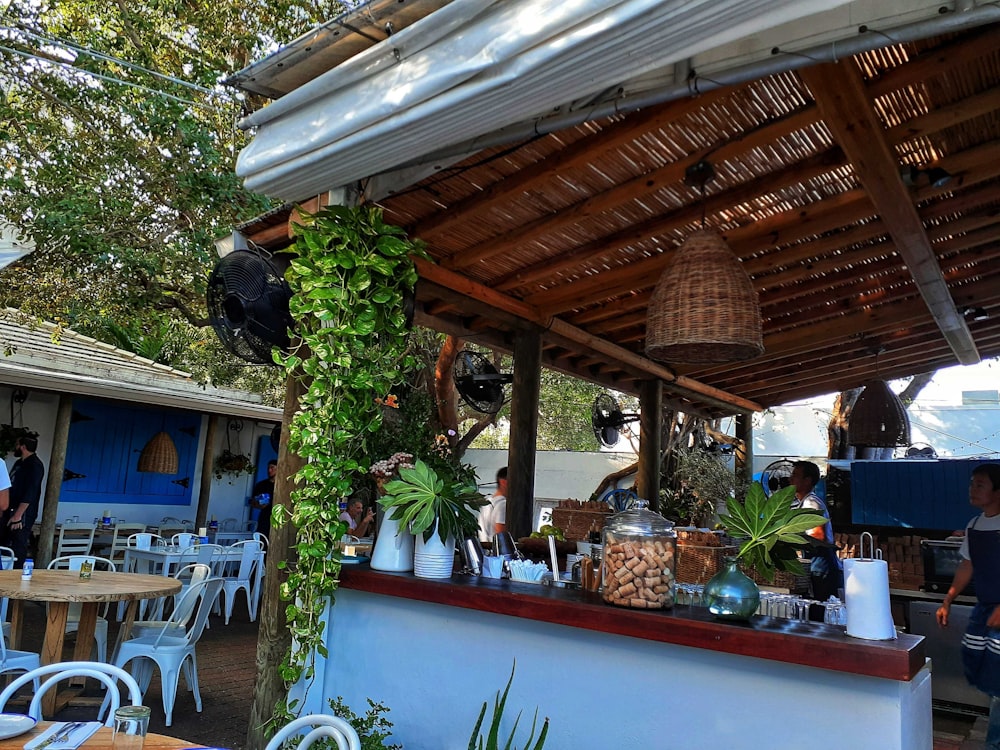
(866,594)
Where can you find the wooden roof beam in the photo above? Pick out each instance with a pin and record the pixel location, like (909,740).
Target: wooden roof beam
(632,189)
(577,154)
(648,231)
(508,306)
(847,111)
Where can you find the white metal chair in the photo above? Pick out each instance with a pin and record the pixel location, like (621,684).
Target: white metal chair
(313,727)
(188,575)
(228,524)
(17,661)
(244,578)
(109,675)
(73,562)
(7,560)
(145,540)
(119,540)
(170,652)
(184,539)
(75,539)
(258,537)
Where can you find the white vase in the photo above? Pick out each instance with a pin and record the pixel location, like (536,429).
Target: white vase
(393,548)
(434,558)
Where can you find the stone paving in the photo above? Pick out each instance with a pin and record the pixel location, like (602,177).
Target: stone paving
(226,672)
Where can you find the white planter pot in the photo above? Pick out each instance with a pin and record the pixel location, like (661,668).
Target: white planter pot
(393,548)
(434,558)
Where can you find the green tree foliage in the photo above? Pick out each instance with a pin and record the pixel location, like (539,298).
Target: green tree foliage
(117,155)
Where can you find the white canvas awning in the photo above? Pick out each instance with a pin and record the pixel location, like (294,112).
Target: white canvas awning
(477,66)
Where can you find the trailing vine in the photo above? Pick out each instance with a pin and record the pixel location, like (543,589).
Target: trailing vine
(349,281)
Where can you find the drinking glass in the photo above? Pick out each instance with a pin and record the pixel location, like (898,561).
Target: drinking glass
(131,724)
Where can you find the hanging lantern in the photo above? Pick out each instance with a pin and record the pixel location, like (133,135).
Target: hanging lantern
(878,419)
(159,456)
(704,308)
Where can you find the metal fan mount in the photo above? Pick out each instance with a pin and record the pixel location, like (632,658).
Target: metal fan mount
(479,383)
(248,305)
(607,419)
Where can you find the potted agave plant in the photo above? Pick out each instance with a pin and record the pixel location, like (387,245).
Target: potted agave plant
(436,511)
(769,531)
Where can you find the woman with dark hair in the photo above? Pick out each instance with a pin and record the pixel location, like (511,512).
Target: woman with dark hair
(980,553)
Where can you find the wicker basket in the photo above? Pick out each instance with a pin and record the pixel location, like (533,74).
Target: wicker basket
(576,523)
(704,307)
(796,584)
(697,564)
(159,456)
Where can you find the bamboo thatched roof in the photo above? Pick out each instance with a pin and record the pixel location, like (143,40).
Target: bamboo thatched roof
(571,230)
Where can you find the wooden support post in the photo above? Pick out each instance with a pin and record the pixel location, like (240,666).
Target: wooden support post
(205,483)
(647,480)
(273,638)
(744,450)
(54,480)
(523,430)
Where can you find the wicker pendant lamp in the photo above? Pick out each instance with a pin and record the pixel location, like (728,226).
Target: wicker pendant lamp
(878,419)
(159,456)
(704,308)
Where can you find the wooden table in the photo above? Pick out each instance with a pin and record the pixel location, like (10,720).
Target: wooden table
(60,588)
(100,740)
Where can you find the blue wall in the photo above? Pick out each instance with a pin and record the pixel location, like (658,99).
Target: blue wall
(105,441)
(923,494)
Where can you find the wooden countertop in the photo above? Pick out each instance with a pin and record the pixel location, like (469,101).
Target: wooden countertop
(806,643)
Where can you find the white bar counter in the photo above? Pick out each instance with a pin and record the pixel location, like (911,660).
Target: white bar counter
(608,677)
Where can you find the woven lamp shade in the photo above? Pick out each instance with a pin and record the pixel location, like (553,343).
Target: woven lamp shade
(704,307)
(878,419)
(159,456)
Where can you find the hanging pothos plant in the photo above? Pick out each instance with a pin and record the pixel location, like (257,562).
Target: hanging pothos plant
(349,280)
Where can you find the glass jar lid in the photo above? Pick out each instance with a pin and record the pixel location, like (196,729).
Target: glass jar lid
(639,520)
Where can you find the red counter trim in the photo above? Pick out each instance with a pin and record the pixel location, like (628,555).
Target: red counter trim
(806,643)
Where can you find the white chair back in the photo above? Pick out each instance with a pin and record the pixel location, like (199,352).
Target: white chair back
(145,540)
(228,524)
(204,593)
(191,575)
(258,537)
(106,673)
(206,554)
(7,558)
(315,726)
(119,540)
(75,539)
(184,540)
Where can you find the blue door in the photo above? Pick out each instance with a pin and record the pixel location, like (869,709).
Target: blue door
(105,441)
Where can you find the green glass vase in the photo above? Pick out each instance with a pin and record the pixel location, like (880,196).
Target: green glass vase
(730,595)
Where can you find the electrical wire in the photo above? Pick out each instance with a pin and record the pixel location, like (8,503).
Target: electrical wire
(116,60)
(110,79)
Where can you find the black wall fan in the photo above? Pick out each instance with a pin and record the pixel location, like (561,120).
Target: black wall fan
(248,304)
(776,476)
(607,419)
(479,383)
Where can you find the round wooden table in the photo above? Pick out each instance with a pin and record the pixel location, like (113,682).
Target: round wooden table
(100,740)
(59,589)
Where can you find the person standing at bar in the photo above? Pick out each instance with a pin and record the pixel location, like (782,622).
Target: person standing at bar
(980,564)
(825,572)
(493,515)
(25,494)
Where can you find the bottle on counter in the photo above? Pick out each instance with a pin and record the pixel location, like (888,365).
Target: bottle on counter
(27,569)
(638,562)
